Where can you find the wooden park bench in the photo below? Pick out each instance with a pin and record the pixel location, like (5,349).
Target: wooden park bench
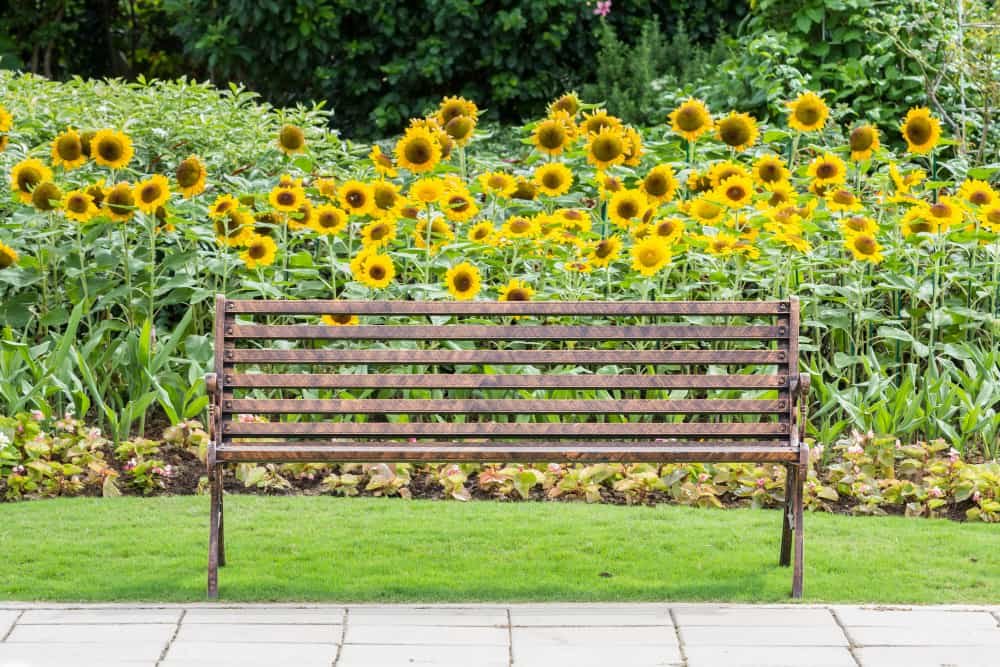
(530,382)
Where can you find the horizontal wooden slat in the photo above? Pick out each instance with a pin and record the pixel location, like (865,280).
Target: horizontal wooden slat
(501,381)
(500,430)
(665,332)
(498,357)
(501,406)
(616,308)
(584,453)
(492,445)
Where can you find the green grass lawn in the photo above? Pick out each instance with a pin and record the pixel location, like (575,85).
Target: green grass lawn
(388,550)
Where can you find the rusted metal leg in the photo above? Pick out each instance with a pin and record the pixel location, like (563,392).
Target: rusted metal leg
(215,515)
(797,570)
(222,521)
(785,555)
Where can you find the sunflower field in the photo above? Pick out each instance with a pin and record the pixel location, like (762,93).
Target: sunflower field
(119,222)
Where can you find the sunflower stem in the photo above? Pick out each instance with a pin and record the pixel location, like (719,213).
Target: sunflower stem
(83,276)
(129,315)
(333,267)
(151,221)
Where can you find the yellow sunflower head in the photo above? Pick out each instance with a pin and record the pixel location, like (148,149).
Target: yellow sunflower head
(627,207)
(427,190)
(574,219)
(516,290)
(302,217)
(260,251)
(120,202)
(946,212)
(356,197)
(459,206)
(864,247)
(650,255)
(112,149)
(27,174)
(669,228)
(386,199)
(842,199)
(989,216)
(738,131)
(807,113)
(482,232)
(462,281)
(769,169)
(691,119)
(863,141)
(569,103)
(440,234)
(4,142)
(660,184)
(633,147)
(606,147)
(858,224)
(460,129)
(418,150)
(520,227)
(921,130)
(599,120)
(234,228)
(705,210)
(553,179)
(6,120)
(191,175)
(340,320)
(152,193)
(605,251)
(498,183)
(79,206)
(326,187)
(67,150)
(779,194)
(291,139)
(8,257)
(47,196)
(287,199)
(699,181)
(735,191)
(720,171)
(382,162)
(329,220)
(918,220)
(377,271)
(552,135)
(827,169)
(453,107)
(977,193)
(378,233)
(222,205)
(524,189)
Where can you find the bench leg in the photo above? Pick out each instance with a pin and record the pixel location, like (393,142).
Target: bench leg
(214,517)
(798,568)
(785,555)
(222,521)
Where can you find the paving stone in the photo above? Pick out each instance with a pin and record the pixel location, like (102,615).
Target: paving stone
(268,633)
(185,654)
(851,616)
(363,655)
(99,616)
(926,656)
(426,634)
(277,615)
(79,655)
(740,616)
(820,635)
(769,656)
(394,616)
(596,656)
(926,635)
(112,635)
(578,616)
(7,619)
(594,636)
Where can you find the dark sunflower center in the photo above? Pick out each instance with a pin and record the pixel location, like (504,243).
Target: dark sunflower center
(418,151)
(452,111)
(355,199)
(607,149)
(27,179)
(856,223)
(628,209)
(480,233)
(656,185)
(735,192)
(257,251)
(497,182)
(459,127)
(385,198)
(69,148)
(572,215)
(463,282)
(120,200)
(918,131)
(110,149)
(666,228)
(376,271)
(770,172)
(342,318)
(993,216)
(187,174)
(826,170)
(552,180)
(604,249)
(777,198)
(285,198)
(734,131)
(567,104)
(649,257)
(327,220)
(979,197)
(843,197)
(379,232)
(808,114)
(77,204)
(940,210)
(861,139)
(459,204)
(149,193)
(865,245)
(689,118)
(85,140)
(517,294)
(43,195)
(551,135)
(519,226)
(292,137)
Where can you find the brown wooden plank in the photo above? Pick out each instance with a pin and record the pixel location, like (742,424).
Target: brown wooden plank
(501,381)
(491,445)
(501,406)
(233,429)
(500,357)
(386,453)
(507,332)
(609,308)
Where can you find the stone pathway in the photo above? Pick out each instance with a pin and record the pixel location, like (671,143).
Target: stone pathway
(529,635)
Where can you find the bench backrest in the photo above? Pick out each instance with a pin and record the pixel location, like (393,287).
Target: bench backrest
(637,377)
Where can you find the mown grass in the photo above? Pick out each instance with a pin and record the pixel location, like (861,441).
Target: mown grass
(382,550)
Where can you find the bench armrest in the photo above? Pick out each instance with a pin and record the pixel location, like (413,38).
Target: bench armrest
(212,387)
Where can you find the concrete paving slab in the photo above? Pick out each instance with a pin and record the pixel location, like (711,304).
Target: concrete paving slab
(279,616)
(820,635)
(926,636)
(594,636)
(188,654)
(722,616)
(29,654)
(595,656)
(426,634)
(7,619)
(852,616)
(267,633)
(577,616)
(99,616)
(771,656)
(926,656)
(363,655)
(111,635)
(395,616)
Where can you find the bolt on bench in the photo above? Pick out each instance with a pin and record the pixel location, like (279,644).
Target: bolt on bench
(622,382)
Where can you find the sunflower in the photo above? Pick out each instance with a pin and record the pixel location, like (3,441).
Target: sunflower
(266,222)
(569,103)
(989,216)
(340,320)
(737,130)
(260,251)
(670,229)
(8,257)
(382,162)
(660,184)
(428,190)
(459,206)
(691,119)
(418,150)
(807,113)
(627,206)
(120,202)
(524,190)
(598,121)
(905,182)
(286,199)
(152,193)
(482,232)
(441,234)
(705,210)
(25,175)
(377,270)
(946,212)
(864,247)
(4,142)
(769,169)
(858,224)
(778,194)
(650,255)
(497,183)
(698,181)
(605,251)
(46,196)
(234,228)
(720,171)
(191,175)
(328,219)
(224,203)
(79,206)
(918,220)
(111,149)
(977,193)
(97,192)
(827,169)
(67,150)
(460,128)
(921,130)
(554,134)
(633,147)
(553,179)
(863,142)
(609,185)
(574,219)
(734,192)
(453,107)
(606,148)
(842,199)
(462,281)
(722,244)
(386,199)
(792,238)
(6,121)
(302,217)
(291,139)
(378,233)
(516,290)
(326,187)
(356,198)
(520,227)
